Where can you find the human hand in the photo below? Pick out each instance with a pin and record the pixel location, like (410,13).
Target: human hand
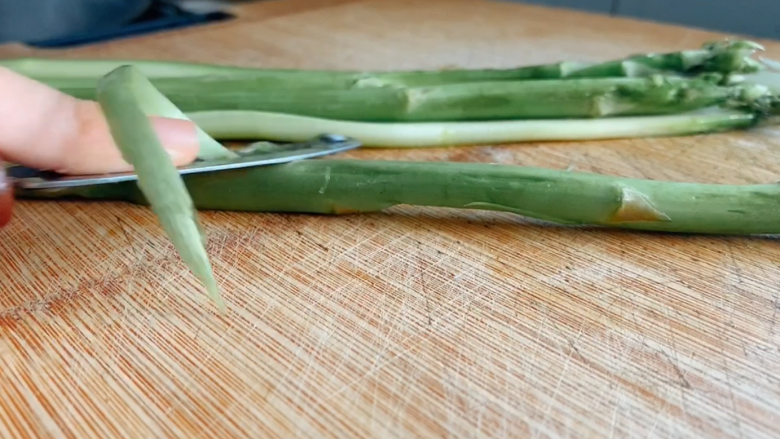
(42,128)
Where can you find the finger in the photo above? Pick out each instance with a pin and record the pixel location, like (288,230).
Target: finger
(6,198)
(41,127)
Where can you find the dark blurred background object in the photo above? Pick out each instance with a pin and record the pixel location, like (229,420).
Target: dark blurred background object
(39,20)
(754,18)
(66,23)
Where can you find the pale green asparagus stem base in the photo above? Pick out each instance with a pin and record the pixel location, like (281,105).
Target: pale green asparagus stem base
(568,198)
(254,125)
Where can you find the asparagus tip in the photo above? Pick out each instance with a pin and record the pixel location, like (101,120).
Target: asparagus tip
(732,56)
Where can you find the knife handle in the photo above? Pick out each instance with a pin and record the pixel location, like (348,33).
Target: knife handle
(6,198)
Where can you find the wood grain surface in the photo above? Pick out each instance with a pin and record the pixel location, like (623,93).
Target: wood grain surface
(410,323)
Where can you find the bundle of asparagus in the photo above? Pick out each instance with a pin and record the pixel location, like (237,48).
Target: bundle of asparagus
(678,93)
(641,95)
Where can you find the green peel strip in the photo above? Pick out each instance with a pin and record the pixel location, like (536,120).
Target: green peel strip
(125,94)
(153,103)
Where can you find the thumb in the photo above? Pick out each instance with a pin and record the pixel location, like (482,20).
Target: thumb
(43,128)
(92,149)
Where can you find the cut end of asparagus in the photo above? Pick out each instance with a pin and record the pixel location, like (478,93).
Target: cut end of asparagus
(122,95)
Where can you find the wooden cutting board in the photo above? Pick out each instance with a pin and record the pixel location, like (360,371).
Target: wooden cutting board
(414,322)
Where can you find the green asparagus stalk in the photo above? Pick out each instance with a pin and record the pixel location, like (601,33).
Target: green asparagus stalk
(336,187)
(252,125)
(725,57)
(503,100)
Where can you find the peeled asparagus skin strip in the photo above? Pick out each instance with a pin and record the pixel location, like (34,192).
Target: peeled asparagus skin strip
(120,94)
(569,198)
(154,103)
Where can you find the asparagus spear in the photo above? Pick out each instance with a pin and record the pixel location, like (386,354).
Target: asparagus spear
(725,57)
(337,187)
(503,100)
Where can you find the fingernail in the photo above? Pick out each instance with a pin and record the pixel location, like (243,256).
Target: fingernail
(179,138)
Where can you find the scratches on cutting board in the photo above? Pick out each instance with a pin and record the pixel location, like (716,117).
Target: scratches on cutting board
(510,330)
(413,323)
(492,343)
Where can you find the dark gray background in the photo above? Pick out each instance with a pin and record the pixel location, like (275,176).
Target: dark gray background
(30,20)
(757,18)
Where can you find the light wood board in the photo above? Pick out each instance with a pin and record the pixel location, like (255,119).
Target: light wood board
(414,322)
